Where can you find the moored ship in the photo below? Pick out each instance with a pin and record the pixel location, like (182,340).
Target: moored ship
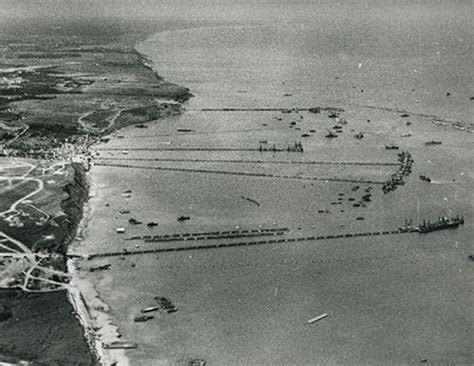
(441,224)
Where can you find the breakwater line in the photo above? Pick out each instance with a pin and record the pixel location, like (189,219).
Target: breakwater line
(247,174)
(243,161)
(127,252)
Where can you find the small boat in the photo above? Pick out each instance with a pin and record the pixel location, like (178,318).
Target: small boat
(149,309)
(100,268)
(433,143)
(183,218)
(391,147)
(424,178)
(184,130)
(151,224)
(319,317)
(120,230)
(331,135)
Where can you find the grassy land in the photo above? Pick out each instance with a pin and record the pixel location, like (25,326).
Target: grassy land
(51,81)
(40,327)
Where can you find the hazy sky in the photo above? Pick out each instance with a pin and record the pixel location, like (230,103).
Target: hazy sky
(233,9)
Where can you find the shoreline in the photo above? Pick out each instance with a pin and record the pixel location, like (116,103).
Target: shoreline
(98,324)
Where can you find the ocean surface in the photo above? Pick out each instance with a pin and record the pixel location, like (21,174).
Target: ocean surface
(391,300)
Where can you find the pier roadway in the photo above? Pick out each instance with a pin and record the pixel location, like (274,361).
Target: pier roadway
(242,244)
(247,174)
(210,235)
(256,161)
(194,149)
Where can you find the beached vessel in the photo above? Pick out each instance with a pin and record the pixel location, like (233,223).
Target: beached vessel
(142,318)
(119,345)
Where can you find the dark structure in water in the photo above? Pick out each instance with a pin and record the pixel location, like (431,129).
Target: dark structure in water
(441,224)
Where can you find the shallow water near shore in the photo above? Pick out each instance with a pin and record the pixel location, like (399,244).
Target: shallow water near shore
(390,300)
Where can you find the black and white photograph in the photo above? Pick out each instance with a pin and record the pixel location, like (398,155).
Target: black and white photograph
(236,182)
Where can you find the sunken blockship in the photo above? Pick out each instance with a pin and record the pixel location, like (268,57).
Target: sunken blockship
(396,179)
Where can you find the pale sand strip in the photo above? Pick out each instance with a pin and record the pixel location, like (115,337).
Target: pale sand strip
(91,311)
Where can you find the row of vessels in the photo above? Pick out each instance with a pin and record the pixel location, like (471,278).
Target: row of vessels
(396,179)
(163,303)
(427,226)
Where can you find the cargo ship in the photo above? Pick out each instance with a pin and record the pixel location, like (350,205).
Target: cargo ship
(441,224)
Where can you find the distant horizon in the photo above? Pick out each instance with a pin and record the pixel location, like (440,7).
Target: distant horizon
(233,10)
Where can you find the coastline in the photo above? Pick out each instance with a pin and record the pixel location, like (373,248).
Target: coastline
(90,310)
(94,314)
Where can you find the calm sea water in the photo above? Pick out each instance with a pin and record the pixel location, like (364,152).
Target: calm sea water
(409,61)
(390,300)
